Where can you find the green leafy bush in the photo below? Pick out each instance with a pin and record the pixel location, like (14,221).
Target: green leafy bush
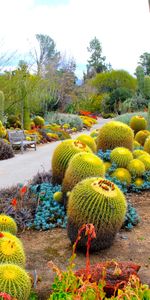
(61,119)
(125,118)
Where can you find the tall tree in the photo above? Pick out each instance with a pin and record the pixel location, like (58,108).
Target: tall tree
(44,53)
(145,62)
(140,79)
(96,63)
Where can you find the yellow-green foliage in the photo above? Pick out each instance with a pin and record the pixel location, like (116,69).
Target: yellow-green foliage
(107,165)
(3,131)
(7,224)
(115,134)
(141,136)
(11,252)
(88,140)
(138,123)
(136,145)
(145,159)
(100,202)
(136,167)
(121,156)
(62,154)
(139,152)
(122,174)
(138,181)
(81,166)
(147,145)
(15,281)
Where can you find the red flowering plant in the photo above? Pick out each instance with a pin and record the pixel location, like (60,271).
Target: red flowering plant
(115,280)
(19,206)
(6,296)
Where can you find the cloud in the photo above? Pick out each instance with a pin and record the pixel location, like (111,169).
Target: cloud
(121,26)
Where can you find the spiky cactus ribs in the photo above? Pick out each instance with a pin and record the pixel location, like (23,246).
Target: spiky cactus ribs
(81,166)
(7,224)
(121,156)
(115,134)
(100,202)
(62,154)
(15,281)
(88,140)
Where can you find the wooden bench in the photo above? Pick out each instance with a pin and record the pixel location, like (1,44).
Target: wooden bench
(17,138)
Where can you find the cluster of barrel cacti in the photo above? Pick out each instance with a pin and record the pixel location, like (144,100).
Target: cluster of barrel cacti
(14,280)
(88,181)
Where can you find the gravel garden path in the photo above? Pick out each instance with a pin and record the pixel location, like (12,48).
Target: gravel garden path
(22,167)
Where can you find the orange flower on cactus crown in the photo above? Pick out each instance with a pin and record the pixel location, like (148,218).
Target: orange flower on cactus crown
(23,190)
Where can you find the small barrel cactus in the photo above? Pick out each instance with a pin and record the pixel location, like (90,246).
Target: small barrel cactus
(136,145)
(122,174)
(115,134)
(121,156)
(100,202)
(138,152)
(138,181)
(62,154)
(147,145)
(15,281)
(138,123)
(88,140)
(10,236)
(81,166)
(145,159)
(7,224)
(11,252)
(39,121)
(136,167)
(141,136)
(107,165)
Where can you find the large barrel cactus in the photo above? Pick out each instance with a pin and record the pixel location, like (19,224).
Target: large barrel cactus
(7,224)
(88,140)
(81,166)
(15,281)
(115,134)
(100,202)
(62,154)
(121,156)
(11,252)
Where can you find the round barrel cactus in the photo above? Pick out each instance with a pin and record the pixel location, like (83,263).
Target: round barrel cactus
(145,159)
(121,156)
(7,224)
(81,166)
(15,281)
(138,152)
(136,167)
(147,145)
(11,252)
(138,123)
(62,154)
(88,140)
(115,134)
(122,174)
(100,202)
(141,136)
(10,236)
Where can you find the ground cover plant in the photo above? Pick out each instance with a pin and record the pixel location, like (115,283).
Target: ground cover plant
(40,204)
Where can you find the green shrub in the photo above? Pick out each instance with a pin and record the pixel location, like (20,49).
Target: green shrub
(61,119)
(39,121)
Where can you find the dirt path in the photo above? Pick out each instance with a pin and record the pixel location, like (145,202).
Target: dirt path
(54,245)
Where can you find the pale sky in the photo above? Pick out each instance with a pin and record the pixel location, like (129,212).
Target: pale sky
(122,27)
